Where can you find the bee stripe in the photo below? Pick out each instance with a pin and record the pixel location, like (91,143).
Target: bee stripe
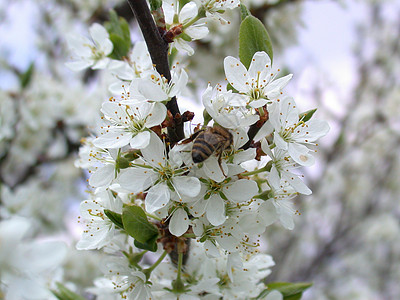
(204,147)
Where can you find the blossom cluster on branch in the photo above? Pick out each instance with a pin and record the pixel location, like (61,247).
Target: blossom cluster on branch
(205,199)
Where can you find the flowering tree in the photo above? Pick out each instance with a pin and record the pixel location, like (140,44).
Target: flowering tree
(175,210)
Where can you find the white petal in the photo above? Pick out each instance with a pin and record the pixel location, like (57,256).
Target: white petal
(216,210)
(267,212)
(148,89)
(80,65)
(141,140)
(183,46)
(157,115)
(157,197)
(211,249)
(318,128)
(259,63)
(154,153)
(137,180)
(116,138)
(300,154)
(236,73)
(241,190)
(286,219)
(188,12)
(298,185)
(252,224)
(258,103)
(179,222)
(275,87)
(197,32)
(103,176)
(274,295)
(98,33)
(280,142)
(213,170)
(186,185)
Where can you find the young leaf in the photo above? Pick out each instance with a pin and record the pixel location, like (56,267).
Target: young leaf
(149,245)
(62,293)
(137,226)
(119,32)
(253,37)
(305,116)
(116,218)
(25,78)
(290,291)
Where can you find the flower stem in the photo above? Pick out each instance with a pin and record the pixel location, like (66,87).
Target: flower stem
(148,271)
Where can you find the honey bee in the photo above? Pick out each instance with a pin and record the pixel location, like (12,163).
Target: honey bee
(209,141)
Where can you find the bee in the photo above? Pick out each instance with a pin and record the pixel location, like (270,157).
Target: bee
(208,141)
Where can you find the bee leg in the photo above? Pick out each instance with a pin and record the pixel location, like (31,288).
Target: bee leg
(220,165)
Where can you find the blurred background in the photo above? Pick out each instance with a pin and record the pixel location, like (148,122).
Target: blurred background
(345,57)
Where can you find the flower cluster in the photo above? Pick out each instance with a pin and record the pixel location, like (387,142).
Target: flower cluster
(207,196)
(226,200)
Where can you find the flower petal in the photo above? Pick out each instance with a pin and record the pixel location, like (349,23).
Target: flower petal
(186,185)
(103,176)
(216,210)
(141,140)
(137,180)
(179,222)
(157,197)
(236,73)
(241,190)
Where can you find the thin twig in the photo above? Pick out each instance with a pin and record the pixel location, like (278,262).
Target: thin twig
(158,49)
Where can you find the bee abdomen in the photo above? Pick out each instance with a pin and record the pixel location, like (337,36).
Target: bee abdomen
(201,151)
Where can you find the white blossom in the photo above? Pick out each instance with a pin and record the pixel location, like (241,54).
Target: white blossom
(90,53)
(292,134)
(258,83)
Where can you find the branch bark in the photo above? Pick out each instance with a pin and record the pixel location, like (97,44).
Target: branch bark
(158,49)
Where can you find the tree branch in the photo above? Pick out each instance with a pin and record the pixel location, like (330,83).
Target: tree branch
(158,49)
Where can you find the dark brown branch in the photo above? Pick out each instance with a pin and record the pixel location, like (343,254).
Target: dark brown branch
(158,49)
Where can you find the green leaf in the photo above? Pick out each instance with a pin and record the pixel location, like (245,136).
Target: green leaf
(25,78)
(121,48)
(253,37)
(305,116)
(150,245)
(244,11)
(137,226)
(116,218)
(62,293)
(290,291)
(118,29)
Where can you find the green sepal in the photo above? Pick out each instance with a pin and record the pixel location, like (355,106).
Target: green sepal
(150,245)
(118,29)
(137,226)
(307,115)
(244,11)
(185,37)
(26,77)
(207,118)
(253,37)
(289,291)
(63,293)
(229,87)
(264,195)
(121,163)
(114,217)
